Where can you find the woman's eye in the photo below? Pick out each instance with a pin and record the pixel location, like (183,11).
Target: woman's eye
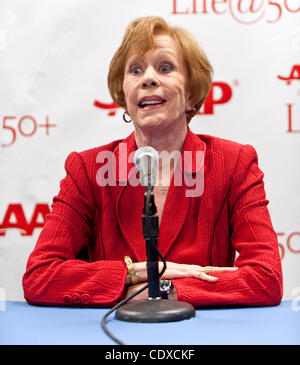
(135,70)
(166,68)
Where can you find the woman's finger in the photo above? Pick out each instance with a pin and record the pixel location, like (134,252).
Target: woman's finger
(212,269)
(176,271)
(204,276)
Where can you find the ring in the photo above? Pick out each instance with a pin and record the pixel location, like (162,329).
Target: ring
(207,269)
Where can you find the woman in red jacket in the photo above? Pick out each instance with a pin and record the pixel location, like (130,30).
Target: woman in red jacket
(161,77)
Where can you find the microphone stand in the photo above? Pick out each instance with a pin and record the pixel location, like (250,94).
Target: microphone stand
(154,309)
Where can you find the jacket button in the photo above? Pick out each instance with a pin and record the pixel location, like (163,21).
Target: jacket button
(85,298)
(67,299)
(76,298)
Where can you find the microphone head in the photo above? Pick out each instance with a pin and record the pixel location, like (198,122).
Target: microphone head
(146,160)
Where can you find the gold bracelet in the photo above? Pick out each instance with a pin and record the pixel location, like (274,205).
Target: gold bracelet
(132,273)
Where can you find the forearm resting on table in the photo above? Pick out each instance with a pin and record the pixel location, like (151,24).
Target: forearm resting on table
(172,272)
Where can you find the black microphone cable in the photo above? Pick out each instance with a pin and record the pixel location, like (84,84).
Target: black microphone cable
(124,301)
(117,306)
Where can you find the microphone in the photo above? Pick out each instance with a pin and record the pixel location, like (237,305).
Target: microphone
(154,309)
(146,160)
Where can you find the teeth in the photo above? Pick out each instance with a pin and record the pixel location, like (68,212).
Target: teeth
(151,102)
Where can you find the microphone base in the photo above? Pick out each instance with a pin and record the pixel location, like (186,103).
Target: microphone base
(155,310)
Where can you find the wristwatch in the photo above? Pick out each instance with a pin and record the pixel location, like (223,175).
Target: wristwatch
(165,287)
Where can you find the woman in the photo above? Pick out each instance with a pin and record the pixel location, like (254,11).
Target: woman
(161,77)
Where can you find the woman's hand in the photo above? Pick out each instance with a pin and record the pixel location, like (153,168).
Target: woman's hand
(174,271)
(144,294)
(134,288)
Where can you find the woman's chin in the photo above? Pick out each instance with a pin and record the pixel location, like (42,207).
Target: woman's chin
(151,122)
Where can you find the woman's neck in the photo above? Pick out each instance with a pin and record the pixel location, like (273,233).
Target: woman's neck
(168,144)
(161,140)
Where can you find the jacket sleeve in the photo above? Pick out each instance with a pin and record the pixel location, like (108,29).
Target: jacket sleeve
(258,280)
(53,274)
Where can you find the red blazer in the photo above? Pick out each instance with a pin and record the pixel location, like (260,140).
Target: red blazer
(105,221)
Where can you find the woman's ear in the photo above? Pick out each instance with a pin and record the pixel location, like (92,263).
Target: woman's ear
(189,106)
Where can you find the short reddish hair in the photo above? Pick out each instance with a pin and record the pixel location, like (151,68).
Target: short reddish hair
(139,36)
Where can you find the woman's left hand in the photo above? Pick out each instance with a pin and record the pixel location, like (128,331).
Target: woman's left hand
(174,271)
(144,294)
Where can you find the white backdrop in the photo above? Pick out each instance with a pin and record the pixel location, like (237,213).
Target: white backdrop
(54,58)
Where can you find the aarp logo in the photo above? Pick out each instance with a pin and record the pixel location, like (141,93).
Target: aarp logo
(15,218)
(220,94)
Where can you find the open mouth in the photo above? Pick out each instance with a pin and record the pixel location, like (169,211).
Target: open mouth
(151,102)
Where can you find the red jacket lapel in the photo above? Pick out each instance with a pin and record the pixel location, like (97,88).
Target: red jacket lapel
(178,200)
(130,199)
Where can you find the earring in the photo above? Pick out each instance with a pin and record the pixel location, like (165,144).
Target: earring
(191,112)
(124,117)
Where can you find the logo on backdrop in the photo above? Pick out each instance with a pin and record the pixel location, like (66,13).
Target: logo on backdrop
(15,218)
(288,242)
(242,11)
(14,127)
(220,93)
(293,77)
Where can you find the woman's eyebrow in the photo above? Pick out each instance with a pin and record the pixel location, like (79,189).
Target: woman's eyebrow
(167,51)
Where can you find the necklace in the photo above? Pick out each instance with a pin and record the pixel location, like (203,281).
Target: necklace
(163,189)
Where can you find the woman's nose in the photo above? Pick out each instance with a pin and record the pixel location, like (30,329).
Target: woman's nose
(149,80)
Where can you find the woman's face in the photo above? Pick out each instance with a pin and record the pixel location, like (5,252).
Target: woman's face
(155,86)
